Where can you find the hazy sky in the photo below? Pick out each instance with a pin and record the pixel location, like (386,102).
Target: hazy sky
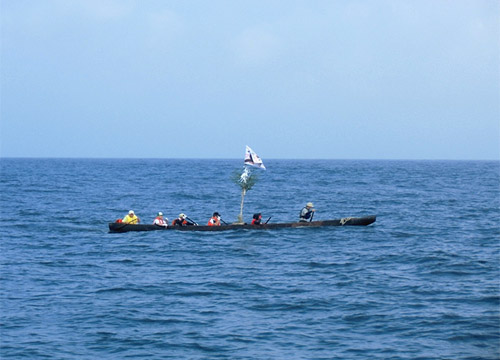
(333,79)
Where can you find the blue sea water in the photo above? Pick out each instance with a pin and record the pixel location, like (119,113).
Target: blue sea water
(420,283)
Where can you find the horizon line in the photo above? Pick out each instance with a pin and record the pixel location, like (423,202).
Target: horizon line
(236,159)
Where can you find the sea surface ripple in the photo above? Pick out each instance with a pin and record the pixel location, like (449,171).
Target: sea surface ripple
(420,283)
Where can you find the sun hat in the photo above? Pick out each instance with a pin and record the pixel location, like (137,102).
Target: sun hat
(160,213)
(131,212)
(182,216)
(310,204)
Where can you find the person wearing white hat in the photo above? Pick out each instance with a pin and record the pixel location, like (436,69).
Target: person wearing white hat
(182,221)
(131,218)
(160,221)
(307,212)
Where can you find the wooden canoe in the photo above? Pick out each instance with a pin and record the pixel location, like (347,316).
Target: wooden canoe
(351,221)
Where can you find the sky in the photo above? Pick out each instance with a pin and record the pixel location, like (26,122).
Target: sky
(334,79)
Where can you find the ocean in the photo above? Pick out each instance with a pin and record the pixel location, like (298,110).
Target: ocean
(422,282)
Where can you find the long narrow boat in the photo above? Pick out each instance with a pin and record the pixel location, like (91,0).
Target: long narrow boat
(359,221)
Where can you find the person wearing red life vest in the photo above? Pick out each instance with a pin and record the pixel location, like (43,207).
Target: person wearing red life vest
(257,219)
(181,221)
(214,220)
(160,221)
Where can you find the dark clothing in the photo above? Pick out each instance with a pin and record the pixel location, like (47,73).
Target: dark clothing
(181,222)
(305,214)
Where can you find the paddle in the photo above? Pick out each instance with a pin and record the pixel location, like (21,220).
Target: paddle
(193,222)
(125,224)
(268,220)
(121,227)
(225,223)
(310,220)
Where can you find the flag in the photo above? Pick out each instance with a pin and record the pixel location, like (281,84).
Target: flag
(251,158)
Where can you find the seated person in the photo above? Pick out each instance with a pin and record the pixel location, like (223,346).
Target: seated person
(160,221)
(181,221)
(214,220)
(257,219)
(131,218)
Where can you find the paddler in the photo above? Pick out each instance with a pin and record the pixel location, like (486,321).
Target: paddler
(160,221)
(307,212)
(131,218)
(214,220)
(181,221)
(257,219)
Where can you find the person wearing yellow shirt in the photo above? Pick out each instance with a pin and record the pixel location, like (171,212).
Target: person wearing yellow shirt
(131,218)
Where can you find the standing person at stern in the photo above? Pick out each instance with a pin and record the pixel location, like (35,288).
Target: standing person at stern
(307,212)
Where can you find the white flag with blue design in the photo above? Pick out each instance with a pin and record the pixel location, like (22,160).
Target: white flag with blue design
(252,159)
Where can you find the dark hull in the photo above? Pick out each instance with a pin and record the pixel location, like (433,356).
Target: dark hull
(361,221)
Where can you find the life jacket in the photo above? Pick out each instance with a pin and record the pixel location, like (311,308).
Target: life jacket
(214,221)
(131,219)
(179,222)
(256,221)
(159,222)
(307,215)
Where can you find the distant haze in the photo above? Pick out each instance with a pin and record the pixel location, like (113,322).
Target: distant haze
(292,79)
